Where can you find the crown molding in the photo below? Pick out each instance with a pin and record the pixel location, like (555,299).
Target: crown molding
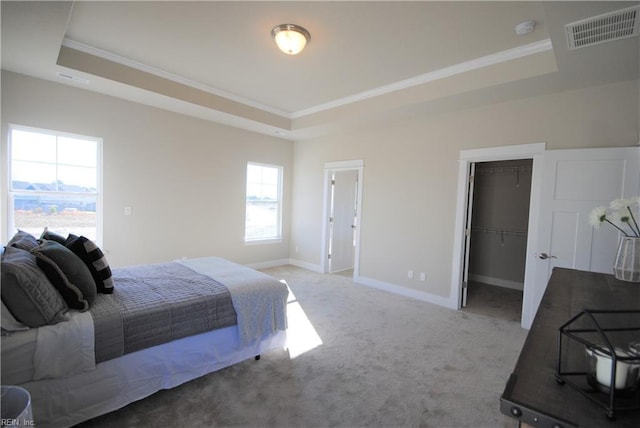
(109,56)
(463,67)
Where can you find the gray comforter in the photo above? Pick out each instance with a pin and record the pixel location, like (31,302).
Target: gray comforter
(154,304)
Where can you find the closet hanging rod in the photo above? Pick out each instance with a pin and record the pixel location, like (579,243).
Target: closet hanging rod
(499,231)
(506,170)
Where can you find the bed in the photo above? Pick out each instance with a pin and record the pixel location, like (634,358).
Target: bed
(130,342)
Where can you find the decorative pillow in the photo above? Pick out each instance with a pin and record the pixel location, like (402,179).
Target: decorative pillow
(67,273)
(51,236)
(23,240)
(94,259)
(27,292)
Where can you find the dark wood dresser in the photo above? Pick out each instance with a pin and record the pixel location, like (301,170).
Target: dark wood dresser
(532,395)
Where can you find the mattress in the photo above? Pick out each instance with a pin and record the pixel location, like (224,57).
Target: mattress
(252,301)
(117,382)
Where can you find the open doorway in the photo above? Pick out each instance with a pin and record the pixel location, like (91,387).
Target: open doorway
(499,200)
(462,233)
(342,207)
(565,186)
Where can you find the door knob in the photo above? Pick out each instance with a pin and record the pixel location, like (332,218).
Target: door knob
(545,256)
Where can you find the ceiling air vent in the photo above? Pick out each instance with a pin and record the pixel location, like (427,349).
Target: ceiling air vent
(604,28)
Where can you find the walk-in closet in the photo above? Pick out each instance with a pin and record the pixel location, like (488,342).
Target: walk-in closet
(497,250)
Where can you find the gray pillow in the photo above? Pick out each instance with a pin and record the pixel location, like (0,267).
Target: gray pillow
(27,292)
(67,273)
(52,236)
(8,323)
(23,240)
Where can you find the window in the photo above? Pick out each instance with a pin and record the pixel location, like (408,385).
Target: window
(264,203)
(54,182)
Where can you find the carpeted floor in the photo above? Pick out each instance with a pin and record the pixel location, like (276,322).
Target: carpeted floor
(493,301)
(361,357)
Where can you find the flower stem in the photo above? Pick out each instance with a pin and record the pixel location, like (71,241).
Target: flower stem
(612,224)
(637,230)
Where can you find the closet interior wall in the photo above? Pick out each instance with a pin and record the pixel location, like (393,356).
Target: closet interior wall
(499,222)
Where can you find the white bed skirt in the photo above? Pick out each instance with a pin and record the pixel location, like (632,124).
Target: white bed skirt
(115,383)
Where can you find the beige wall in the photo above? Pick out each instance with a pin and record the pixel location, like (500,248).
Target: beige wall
(410,174)
(183,177)
(160,162)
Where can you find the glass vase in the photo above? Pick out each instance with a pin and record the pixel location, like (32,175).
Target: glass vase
(627,264)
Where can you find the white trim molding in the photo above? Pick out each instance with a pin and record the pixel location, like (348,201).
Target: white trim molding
(329,167)
(446,302)
(118,59)
(463,67)
(520,151)
(345,164)
(306,265)
(533,151)
(269,264)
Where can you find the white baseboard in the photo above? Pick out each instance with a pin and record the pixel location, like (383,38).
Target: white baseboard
(515,285)
(281,262)
(369,282)
(305,265)
(269,264)
(407,292)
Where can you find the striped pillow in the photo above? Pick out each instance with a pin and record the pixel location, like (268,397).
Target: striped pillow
(94,258)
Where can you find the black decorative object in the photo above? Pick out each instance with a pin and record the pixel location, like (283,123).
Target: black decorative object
(599,356)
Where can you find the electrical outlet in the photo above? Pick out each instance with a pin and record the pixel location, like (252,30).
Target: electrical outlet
(410,274)
(423,276)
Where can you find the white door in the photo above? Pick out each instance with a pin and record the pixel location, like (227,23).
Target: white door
(573,183)
(343,220)
(467,239)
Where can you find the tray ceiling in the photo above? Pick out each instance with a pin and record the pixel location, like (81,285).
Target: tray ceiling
(216,60)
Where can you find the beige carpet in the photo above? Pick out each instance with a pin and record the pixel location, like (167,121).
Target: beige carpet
(384,360)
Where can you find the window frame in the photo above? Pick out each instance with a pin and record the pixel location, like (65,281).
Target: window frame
(11,193)
(278,237)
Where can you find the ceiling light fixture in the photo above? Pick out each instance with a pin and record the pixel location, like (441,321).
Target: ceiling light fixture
(290,38)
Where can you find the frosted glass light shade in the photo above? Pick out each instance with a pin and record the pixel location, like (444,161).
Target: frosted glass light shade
(290,38)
